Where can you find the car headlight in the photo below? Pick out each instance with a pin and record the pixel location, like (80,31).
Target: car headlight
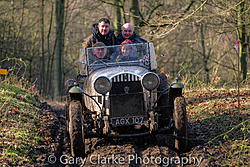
(102,85)
(150,81)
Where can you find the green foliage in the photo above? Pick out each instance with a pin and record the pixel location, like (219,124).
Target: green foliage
(12,89)
(19,124)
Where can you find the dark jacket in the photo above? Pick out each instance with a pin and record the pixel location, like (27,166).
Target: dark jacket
(134,38)
(96,36)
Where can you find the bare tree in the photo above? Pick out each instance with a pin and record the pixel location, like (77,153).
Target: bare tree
(42,74)
(59,48)
(117,16)
(134,16)
(242,36)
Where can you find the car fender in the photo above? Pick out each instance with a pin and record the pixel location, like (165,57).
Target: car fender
(75,89)
(177,84)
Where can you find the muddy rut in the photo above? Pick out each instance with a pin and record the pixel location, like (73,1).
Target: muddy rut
(143,151)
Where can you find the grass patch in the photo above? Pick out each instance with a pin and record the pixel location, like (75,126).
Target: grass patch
(20,126)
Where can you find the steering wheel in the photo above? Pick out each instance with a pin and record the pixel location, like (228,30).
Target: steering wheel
(102,61)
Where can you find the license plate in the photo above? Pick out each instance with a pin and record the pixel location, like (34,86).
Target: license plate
(128,121)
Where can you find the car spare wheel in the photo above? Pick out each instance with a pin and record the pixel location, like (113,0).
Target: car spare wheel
(180,122)
(76,131)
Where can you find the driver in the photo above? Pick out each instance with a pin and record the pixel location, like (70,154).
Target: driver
(100,53)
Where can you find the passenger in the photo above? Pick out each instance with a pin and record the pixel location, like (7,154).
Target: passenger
(101,32)
(126,52)
(128,33)
(99,53)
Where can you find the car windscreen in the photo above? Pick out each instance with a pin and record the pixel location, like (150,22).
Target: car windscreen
(131,54)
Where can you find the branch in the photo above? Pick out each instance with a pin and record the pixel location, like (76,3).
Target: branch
(223,65)
(182,18)
(120,6)
(152,11)
(189,6)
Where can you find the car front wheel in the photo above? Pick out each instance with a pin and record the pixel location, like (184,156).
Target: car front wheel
(76,131)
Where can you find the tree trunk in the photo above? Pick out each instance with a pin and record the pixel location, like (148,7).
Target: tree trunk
(122,10)
(50,55)
(59,49)
(243,40)
(134,13)
(42,72)
(30,69)
(205,57)
(117,16)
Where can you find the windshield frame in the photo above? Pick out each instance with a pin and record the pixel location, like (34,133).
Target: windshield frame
(116,63)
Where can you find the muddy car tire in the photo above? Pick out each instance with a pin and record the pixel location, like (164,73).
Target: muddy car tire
(180,124)
(67,119)
(76,131)
(163,101)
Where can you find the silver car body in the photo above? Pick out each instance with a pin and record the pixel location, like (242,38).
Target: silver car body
(119,72)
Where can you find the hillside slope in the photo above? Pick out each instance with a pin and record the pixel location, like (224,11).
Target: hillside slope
(22,125)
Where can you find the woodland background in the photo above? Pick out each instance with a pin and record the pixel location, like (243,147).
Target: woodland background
(194,39)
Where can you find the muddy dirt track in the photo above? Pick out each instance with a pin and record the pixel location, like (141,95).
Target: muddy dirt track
(144,151)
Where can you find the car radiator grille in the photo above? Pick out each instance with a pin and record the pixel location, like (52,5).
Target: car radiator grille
(126,96)
(125,78)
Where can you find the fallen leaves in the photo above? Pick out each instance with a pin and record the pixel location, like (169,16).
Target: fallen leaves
(217,102)
(216,120)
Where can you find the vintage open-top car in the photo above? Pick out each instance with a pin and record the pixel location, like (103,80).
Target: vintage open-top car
(120,92)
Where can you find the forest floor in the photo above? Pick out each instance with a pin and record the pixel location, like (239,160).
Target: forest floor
(218,135)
